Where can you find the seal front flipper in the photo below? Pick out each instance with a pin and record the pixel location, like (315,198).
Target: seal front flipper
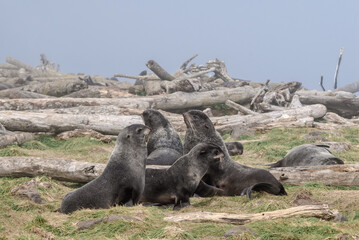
(206,190)
(265,187)
(181,204)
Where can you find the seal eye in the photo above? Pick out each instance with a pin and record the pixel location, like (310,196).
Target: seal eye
(139,130)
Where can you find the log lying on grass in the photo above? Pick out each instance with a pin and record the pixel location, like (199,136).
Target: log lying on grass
(60,169)
(318,211)
(113,124)
(75,171)
(175,101)
(331,175)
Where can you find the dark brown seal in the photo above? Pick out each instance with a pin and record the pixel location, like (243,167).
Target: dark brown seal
(234,148)
(164,145)
(307,155)
(123,179)
(232,178)
(179,182)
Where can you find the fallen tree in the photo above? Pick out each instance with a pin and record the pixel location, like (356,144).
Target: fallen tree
(318,211)
(331,175)
(174,101)
(75,171)
(346,107)
(113,124)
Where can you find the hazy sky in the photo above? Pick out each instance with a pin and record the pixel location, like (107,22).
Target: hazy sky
(281,40)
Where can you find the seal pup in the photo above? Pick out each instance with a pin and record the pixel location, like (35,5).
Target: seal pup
(122,180)
(178,183)
(307,155)
(234,148)
(233,178)
(164,145)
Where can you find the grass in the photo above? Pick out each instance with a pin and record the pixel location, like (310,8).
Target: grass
(22,219)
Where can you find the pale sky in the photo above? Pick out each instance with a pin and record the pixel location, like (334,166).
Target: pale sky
(280,40)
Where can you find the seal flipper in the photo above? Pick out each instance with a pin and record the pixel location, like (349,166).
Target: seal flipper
(206,190)
(265,187)
(276,164)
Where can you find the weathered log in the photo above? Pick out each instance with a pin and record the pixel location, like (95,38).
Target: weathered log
(240,108)
(184,65)
(8,66)
(227,124)
(258,98)
(61,169)
(331,175)
(57,88)
(353,88)
(75,171)
(99,92)
(57,123)
(17,137)
(345,107)
(318,211)
(146,77)
(19,64)
(159,71)
(113,124)
(337,69)
(174,101)
(16,93)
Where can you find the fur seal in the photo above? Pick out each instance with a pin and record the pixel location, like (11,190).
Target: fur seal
(231,177)
(307,155)
(234,148)
(164,145)
(178,183)
(122,180)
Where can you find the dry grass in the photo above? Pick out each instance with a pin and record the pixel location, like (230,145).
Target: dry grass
(22,219)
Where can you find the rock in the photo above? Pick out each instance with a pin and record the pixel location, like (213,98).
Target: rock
(239,230)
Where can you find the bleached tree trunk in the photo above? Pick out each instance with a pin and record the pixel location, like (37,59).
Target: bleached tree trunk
(318,211)
(75,171)
(174,101)
(331,175)
(353,88)
(346,107)
(113,124)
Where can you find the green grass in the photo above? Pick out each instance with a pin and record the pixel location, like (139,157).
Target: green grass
(22,219)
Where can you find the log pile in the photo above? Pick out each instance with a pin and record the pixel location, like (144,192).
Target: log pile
(41,99)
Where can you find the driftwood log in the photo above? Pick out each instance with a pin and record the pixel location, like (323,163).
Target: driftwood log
(352,88)
(345,107)
(318,211)
(75,171)
(331,175)
(113,124)
(174,101)
(159,71)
